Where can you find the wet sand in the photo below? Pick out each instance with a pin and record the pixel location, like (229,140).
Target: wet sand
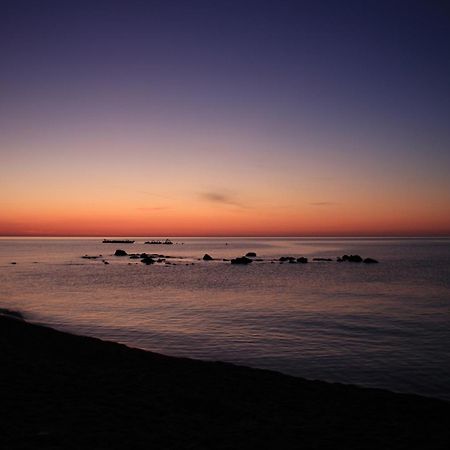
(61,391)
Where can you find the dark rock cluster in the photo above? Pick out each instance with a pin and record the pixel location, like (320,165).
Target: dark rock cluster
(293,259)
(241,260)
(147,260)
(247,259)
(370,261)
(356,258)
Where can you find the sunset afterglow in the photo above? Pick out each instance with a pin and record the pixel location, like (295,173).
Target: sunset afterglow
(193,120)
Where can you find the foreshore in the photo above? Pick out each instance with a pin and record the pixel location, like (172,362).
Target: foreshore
(62,391)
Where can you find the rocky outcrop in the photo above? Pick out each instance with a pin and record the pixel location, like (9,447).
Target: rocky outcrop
(287,258)
(370,261)
(241,260)
(356,258)
(147,260)
(350,258)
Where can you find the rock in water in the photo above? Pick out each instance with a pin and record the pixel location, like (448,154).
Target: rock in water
(147,260)
(241,260)
(251,255)
(120,253)
(302,260)
(350,258)
(287,258)
(206,257)
(370,261)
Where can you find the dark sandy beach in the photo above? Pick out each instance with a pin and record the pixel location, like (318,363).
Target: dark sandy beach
(60,391)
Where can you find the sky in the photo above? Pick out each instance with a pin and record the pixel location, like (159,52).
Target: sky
(224,118)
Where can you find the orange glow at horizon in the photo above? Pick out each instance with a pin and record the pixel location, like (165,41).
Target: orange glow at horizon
(201,218)
(151,185)
(224,120)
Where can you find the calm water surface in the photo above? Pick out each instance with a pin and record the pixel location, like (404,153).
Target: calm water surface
(383,325)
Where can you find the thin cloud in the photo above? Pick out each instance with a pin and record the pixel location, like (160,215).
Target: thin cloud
(221,197)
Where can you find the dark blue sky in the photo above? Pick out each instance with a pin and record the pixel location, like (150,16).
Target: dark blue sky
(350,58)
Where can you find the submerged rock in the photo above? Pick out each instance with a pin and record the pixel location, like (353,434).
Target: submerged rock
(251,255)
(350,258)
(147,260)
(119,252)
(322,259)
(302,260)
(356,258)
(370,261)
(206,257)
(241,260)
(287,258)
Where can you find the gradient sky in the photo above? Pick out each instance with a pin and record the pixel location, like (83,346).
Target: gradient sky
(165,118)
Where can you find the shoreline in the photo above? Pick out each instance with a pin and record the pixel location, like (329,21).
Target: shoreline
(61,390)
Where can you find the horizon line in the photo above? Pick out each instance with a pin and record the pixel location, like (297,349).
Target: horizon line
(287,236)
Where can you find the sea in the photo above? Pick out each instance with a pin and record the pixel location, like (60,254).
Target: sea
(384,325)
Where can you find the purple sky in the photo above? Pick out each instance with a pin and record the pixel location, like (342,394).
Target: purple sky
(234,109)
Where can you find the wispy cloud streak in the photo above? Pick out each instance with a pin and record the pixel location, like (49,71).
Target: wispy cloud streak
(222,197)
